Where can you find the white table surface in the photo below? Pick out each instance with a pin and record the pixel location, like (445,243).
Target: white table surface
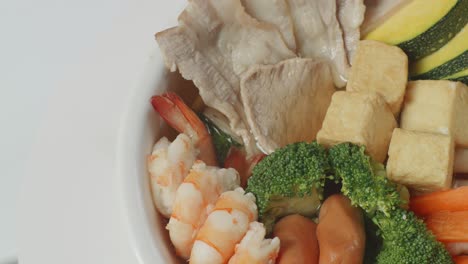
(67,68)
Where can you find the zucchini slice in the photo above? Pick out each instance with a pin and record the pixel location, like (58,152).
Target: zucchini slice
(448,60)
(423,26)
(461,76)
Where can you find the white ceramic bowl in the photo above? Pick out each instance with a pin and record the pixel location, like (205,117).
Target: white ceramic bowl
(140,129)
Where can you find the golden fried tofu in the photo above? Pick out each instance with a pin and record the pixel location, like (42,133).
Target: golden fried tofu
(439,107)
(380,68)
(421,161)
(359,117)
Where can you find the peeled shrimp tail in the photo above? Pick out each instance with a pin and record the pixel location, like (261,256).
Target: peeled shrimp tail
(195,197)
(225,226)
(180,117)
(254,248)
(168,165)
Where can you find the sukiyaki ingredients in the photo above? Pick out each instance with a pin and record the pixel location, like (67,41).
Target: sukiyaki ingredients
(289,181)
(194,199)
(318,34)
(461,76)
(437,107)
(405,238)
(298,240)
(421,161)
(275,12)
(168,165)
(451,200)
(254,248)
(448,60)
(423,26)
(378,11)
(221,140)
(215,42)
(340,232)
(363,180)
(449,226)
(224,228)
(180,117)
(350,15)
(302,86)
(380,68)
(362,118)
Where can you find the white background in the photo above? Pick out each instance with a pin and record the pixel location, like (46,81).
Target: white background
(66,69)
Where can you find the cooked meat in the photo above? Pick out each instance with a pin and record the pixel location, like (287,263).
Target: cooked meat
(318,34)
(215,42)
(275,12)
(287,102)
(377,11)
(350,16)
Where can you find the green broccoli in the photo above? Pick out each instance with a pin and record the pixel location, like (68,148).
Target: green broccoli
(289,181)
(405,238)
(221,140)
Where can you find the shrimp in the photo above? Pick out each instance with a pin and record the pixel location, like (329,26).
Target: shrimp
(180,117)
(168,165)
(225,226)
(254,249)
(195,197)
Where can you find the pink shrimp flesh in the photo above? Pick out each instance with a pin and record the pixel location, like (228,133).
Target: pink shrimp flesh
(254,248)
(195,197)
(225,226)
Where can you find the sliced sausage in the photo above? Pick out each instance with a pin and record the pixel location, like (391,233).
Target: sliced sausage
(340,232)
(298,240)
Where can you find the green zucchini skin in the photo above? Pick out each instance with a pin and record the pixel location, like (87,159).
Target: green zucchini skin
(439,34)
(463,79)
(452,66)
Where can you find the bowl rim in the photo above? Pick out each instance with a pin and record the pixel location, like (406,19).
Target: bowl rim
(135,215)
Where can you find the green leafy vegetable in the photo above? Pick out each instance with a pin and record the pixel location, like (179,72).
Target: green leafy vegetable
(221,140)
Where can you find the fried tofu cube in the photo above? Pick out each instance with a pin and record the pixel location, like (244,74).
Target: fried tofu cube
(439,107)
(361,118)
(421,161)
(380,68)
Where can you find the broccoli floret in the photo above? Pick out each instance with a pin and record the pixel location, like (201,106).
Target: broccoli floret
(363,181)
(221,140)
(289,181)
(405,238)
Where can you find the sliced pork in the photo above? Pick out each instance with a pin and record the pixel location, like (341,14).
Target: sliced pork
(350,16)
(275,12)
(215,42)
(287,102)
(318,34)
